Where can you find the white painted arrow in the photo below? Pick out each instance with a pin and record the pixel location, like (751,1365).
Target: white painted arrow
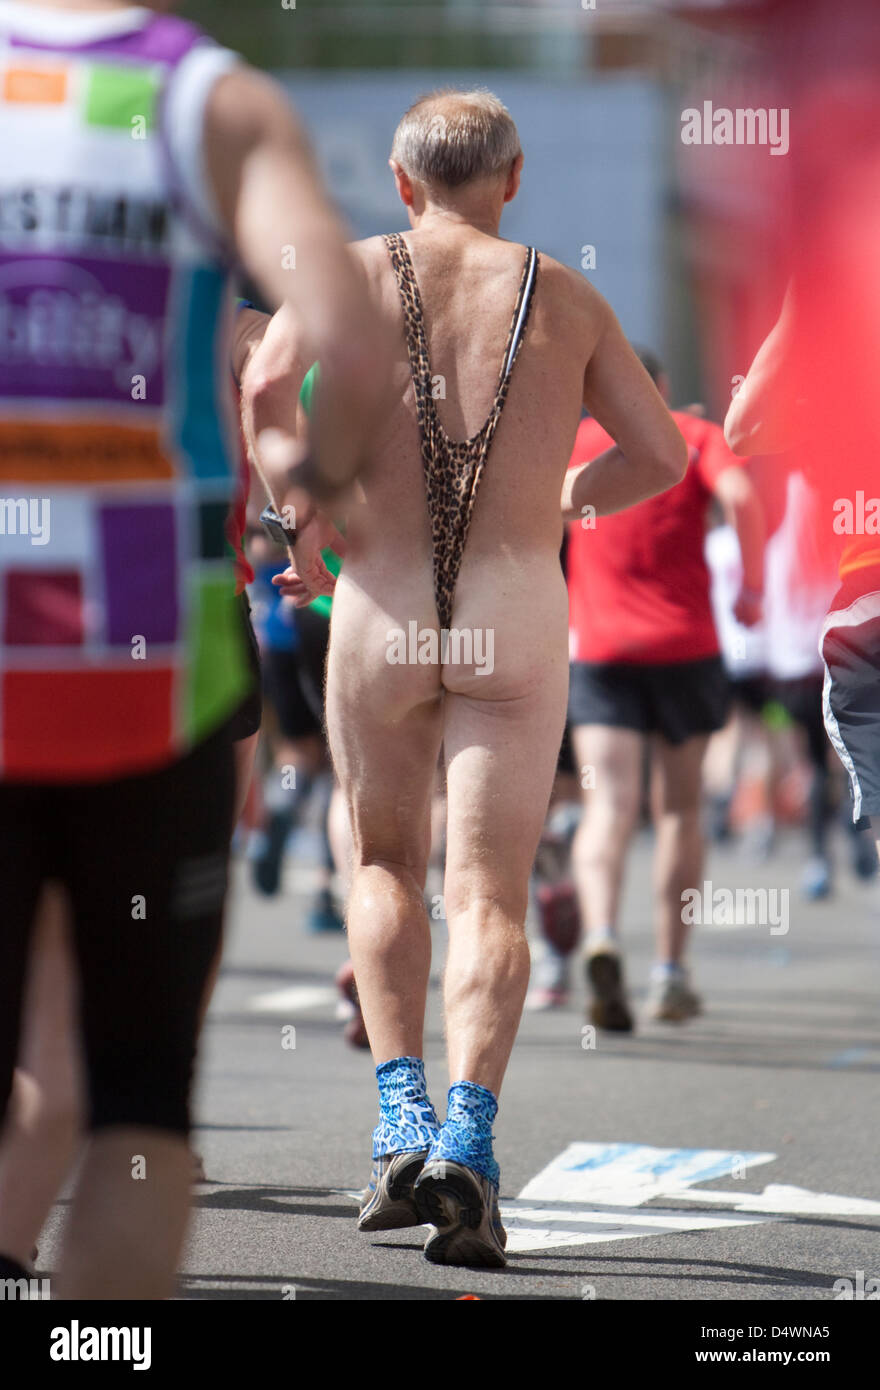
(592,1193)
(789,1201)
(562,1205)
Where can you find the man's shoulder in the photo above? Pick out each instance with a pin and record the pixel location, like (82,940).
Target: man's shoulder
(368,248)
(568,286)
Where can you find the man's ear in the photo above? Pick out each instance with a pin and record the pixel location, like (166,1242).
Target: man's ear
(513,178)
(402,182)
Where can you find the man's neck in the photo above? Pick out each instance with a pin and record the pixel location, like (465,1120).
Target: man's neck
(437,218)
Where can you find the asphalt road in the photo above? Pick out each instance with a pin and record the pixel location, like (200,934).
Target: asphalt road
(784,1064)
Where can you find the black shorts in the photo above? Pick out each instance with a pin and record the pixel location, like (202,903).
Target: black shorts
(144,862)
(249,715)
(678,700)
(293,682)
(750,692)
(850,647)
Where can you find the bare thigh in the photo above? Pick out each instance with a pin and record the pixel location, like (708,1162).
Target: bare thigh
(384,725)
(501,757)
(610,763)
(676,781)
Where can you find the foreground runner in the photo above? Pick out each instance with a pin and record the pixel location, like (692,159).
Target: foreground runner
(849,642)
(646,666)
(121,650)
(476,317)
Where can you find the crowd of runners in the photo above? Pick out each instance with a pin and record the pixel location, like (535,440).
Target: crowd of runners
(496,626)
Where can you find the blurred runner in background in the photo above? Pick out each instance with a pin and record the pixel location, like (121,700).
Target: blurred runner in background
(646,666)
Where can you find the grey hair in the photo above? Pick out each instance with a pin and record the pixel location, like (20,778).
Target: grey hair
(451,136)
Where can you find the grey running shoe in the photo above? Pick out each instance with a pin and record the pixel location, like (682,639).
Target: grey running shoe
(608,1007)
(463,1207)
(388,1201)
(673,1001)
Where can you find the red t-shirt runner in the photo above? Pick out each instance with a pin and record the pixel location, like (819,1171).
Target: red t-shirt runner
(638,583)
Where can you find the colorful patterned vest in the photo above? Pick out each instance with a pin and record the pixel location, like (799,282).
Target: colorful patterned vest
(120,643)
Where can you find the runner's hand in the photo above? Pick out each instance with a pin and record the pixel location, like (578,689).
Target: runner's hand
(748,609)
(308,577)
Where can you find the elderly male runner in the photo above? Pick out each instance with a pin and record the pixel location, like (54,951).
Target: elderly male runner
(459,529)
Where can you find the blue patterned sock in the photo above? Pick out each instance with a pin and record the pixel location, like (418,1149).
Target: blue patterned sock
(466,1133)
(407,1121)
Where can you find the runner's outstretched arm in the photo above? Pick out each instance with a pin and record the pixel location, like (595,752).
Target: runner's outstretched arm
(650,454)
(288,236)
(762,418)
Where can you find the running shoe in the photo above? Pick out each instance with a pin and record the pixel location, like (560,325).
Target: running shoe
(672,1000)
(864,855)
(388,1202)
(816,878)
(551,984)
(717,817)
(608,1007)
(323,915)
(560,916)
(355,1032)
(266,867)
(462,1206)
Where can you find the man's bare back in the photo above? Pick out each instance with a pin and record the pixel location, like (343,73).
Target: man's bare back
(510,579)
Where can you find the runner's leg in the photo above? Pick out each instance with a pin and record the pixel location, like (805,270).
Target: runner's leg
(611,808)
(387,773)
(40,1140)
(500,764)
(678,856)
(147,920)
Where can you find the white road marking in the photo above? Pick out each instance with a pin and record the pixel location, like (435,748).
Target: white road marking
(789,1201)
(593,1193)
(544,1227)
(629,1174)
(296,999)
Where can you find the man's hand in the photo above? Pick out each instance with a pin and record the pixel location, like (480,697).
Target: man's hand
(749,608)
(308,577)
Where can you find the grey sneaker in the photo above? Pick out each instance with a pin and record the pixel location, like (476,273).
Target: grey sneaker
(388,1200)
(463,1207)
(672,1000)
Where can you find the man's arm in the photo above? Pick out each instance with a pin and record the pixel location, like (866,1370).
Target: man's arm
(281,395)
(270,386)
(743,511)
(763,416)
(650,454)
(290,239)
(247,334)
